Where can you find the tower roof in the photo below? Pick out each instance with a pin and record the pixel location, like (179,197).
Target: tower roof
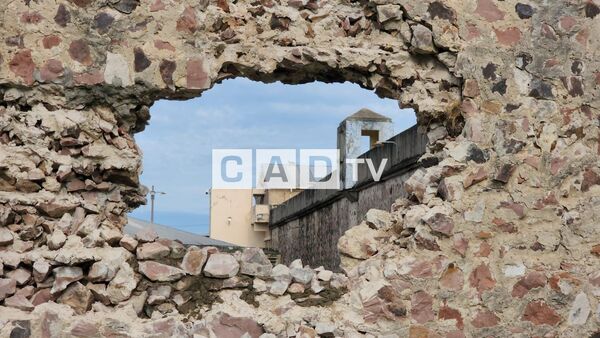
(366,114)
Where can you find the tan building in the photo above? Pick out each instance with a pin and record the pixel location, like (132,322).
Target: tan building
(241,217)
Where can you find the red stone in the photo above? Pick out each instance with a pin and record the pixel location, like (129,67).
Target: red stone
(80,52)
(504,226)
(539,313)
(582,37)
(481,278)
(590,178)
(517,208)
(196,76)
(158,5)
(421,269)
(62,17)
(471,88)
(167,68)
(230,327)
(460,244)
(548,32)
(187,22)
(50,41)
(509,37)
(42,296)
(532,280)
(556,164)
(91,78)
(224,5)
(472,32)
(455,334)
(452,278)
(22,65)
(484,249)
(421,307)
(489,11)
(84,329)
(440,224)
(163,45)
(31,18)
(447,313)
(485,318)
(596,250)
(567,22)
(51,70)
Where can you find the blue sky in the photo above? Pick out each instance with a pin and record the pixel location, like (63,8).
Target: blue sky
(240,113)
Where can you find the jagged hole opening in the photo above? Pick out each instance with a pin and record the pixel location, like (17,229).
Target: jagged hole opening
(241,114)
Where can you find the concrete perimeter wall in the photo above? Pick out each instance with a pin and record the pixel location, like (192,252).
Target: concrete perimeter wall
(309,225)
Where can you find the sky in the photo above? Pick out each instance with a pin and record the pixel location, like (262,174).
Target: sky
(239,113)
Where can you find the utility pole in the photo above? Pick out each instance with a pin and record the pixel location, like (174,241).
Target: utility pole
(152,195)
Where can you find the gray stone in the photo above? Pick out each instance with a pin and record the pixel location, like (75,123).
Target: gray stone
(116,72)
(102,271)
(422,40)
(6,237)
(41,269)
(7,287)
(21,275)
(221,265)
(302,276)
(146,235)
(580,310)
(254,262)
(65,275)
(159,294)
(120,287)
(388,12)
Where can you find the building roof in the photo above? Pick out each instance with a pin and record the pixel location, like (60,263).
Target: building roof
(134,225)
(366,114)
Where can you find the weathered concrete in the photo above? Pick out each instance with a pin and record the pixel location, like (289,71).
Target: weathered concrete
(498,238)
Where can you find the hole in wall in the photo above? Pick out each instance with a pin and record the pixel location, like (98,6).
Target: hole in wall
(240,113)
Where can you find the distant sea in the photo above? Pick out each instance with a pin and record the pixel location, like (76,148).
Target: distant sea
(190,222)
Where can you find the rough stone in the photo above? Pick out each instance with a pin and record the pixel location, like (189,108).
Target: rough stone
(540,313)
(146,235)
(19,302)
(128,243)
(358,242)
(580,310)
(6,237)
(123,284)
(7,287)
(193,261)
(78,297)
(221,265)
(152,250)
(65,275)
(160,272)
(254,262)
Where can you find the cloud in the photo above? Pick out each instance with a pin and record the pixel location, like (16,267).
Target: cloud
(239,113)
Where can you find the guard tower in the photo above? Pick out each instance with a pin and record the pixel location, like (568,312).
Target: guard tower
(351,133)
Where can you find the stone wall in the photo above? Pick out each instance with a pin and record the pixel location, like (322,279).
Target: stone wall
(313,236)
(309,225)
(497,238)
